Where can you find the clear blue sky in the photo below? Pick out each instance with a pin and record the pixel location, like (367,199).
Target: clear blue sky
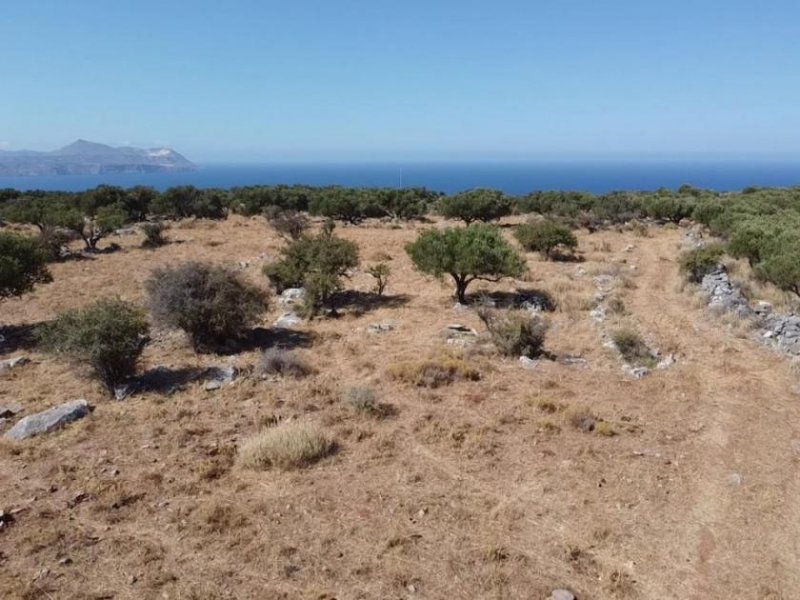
(404,79)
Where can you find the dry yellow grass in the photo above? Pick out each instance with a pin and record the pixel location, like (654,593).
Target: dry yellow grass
(286,446)
(470,490)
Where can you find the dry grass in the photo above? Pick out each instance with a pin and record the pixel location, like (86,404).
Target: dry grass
(464,493)
(435,372)
(286,446)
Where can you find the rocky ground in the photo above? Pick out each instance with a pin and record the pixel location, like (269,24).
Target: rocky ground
(575,474)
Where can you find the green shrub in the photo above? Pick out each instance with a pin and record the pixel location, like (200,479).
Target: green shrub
(341,204)
(547,237)
(317,263)
(154,234)
(476,205)
(212,304)
(466,254)
(515,333)
(22,264)
(752,238)
(782,270)
(696,264)
(108,336)
(380,272)
(633,347)
(364,400)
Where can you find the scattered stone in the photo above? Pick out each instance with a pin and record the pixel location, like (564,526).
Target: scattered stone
(666,362)
(598,314)
(636,372)
(12,363)
(382,327)
(460,307)
(604,282)
(49,420)
(288,319)
(218,376)
(65,561)
(562,595)
(126,231)
(292,296)
(735,479)
(573,361)
(528,363)
(763,308)
(783,331)
(629,248)
(9,410)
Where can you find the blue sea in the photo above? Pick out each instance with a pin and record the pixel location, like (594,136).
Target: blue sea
(511,177)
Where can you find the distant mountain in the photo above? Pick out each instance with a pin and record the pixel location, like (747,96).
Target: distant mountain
(89,158)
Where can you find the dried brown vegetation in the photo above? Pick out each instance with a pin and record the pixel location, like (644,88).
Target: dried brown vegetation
(478,488)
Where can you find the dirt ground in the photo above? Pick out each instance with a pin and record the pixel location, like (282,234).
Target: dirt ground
(479,489)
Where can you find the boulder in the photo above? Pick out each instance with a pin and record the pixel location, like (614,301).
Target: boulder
(49,420)
(292,297)
(12,363)
(561,594)
(288,319)
(382,327)
(216,377)
(528,363)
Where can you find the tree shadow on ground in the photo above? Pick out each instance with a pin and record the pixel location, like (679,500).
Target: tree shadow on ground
(14,338)
(261,338)
(359,303)
(557,256)
(525,299)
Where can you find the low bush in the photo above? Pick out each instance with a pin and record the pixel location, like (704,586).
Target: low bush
(546,237)
(515,333)
(381,273)
(212,304)
(289,445)
(108,336)
(632,347)
(283,363)
(434,373)
(364,400)
(154,234)
(696,264)
(23,263)
(290,224)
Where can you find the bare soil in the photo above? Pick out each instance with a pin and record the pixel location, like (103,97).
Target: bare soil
(478,489)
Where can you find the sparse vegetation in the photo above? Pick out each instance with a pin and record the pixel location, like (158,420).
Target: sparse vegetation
(290,224)
(632,347)
(289,445)
(434,373)
(380,272)
(212,304)
(696,264)
(154,234)
(108,336)
(283,363)
(515,333)
(364,400)
(317,263)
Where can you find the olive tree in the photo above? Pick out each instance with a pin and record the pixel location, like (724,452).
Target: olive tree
(466,254)
(476,205)
(22,264)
